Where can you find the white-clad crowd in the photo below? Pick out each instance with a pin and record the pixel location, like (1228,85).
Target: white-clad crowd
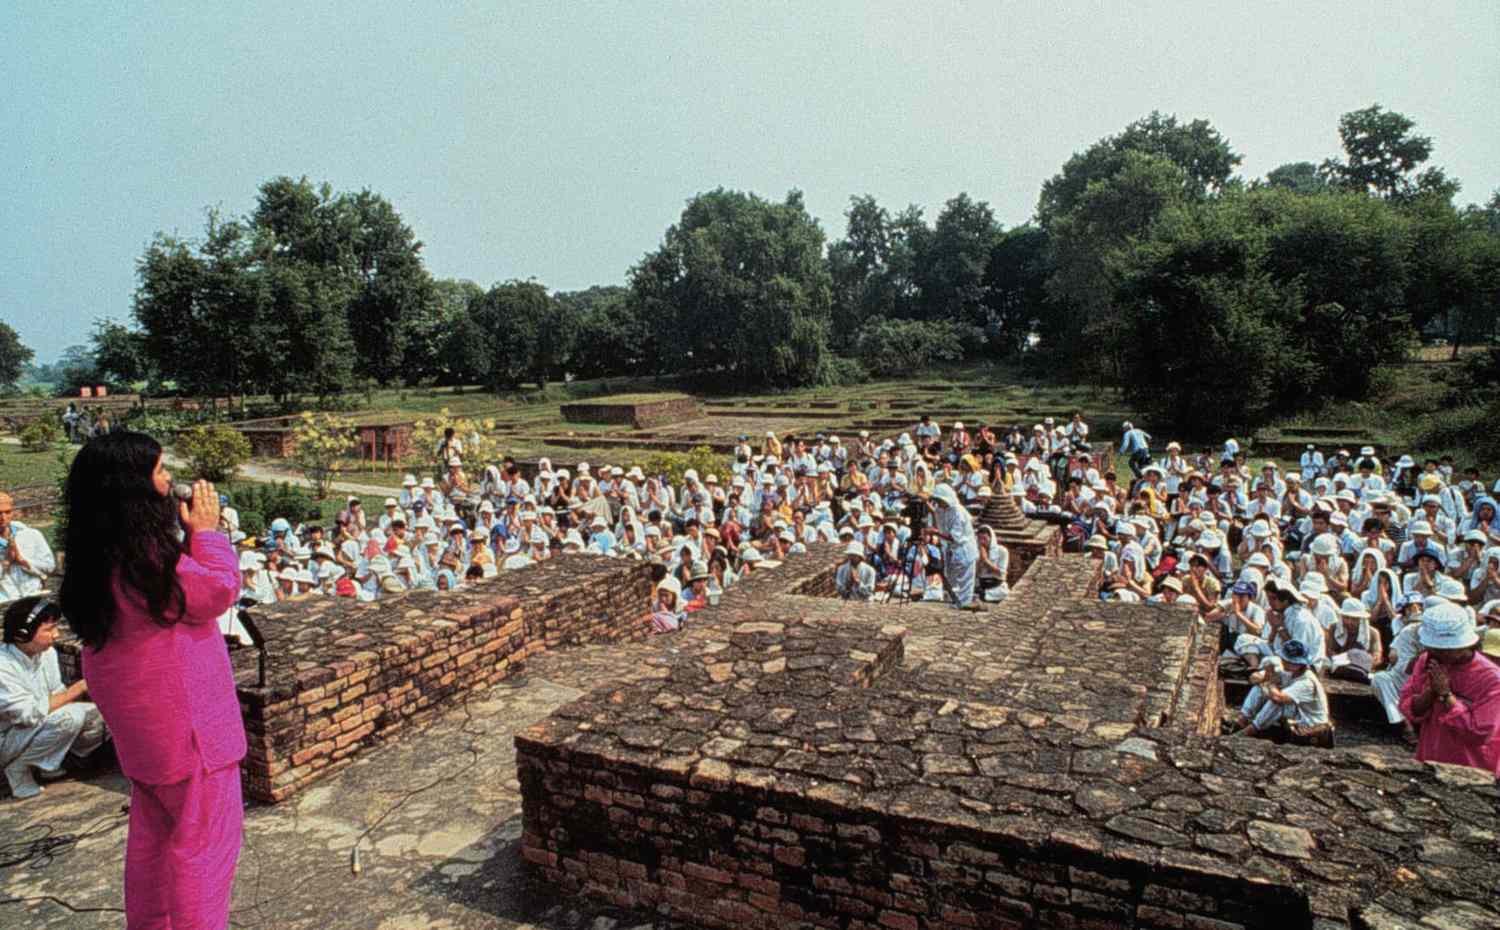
(1338,556)
(704,530)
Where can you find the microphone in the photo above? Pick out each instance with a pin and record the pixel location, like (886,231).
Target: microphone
(183,492)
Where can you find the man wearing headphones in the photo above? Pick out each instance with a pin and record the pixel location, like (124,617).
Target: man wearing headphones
(41,721)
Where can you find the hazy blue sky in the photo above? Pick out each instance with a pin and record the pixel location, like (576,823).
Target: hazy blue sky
(559,139)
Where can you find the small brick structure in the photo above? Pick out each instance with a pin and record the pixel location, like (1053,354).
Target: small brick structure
(642,415)
(798,761)
(274,438)
(1024,538)
(343,675)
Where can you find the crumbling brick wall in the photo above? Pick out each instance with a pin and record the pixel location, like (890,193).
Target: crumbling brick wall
(344,674)
(645,415)
(1038,765)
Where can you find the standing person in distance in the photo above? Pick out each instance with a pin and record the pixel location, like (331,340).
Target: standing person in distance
(146,579)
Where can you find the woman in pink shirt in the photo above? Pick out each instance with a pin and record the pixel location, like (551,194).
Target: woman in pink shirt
(147,578)
(1453,694)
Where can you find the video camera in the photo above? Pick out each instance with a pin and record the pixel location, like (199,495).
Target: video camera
(915,512)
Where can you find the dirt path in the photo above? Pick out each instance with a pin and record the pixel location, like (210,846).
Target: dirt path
(252,472)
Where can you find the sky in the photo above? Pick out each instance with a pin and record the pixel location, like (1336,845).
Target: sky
(559,140)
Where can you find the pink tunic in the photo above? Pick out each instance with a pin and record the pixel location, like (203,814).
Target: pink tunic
(1468,733)
(167,692)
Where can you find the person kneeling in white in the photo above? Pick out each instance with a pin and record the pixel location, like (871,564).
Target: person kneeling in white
(855,579)
(41,721)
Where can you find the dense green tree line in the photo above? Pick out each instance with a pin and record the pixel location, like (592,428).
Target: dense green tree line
(1148,264)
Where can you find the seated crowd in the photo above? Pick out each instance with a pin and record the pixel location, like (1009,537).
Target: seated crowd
(702,531)
(1347,566)
(1383,572)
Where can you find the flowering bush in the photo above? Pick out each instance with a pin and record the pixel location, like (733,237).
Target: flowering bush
(702,459)
(323,441)
(481,446)
(214,453)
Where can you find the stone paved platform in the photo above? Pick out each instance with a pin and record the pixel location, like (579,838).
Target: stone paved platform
(1044,765)
(446,859)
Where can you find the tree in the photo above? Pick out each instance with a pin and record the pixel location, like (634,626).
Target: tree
(1300,177)
(76,369)
(166,307)
(612,337)
(891,348)
(1349,256)
(1103,198)
(120,353)
(739,284)
(859,270)
(394,288)
(1213,337)
(430,330)
(304,292)
(511,317)
(1382,155)
(14,356)
(322,443)
(1088,243)
(467,352)
(361,238)
(1015,289)
(1197,148)
(951,276)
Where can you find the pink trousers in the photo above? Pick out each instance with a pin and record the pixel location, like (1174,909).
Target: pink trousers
(180,855)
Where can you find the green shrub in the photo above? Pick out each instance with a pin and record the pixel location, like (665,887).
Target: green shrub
(214,453)
(837,370)
(895,347)
(266,502)
(1384,382)
(160,425)
(40,435)
(252,522)
(1469,430)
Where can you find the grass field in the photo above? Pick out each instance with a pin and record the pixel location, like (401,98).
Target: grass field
(529,423)
(20,468)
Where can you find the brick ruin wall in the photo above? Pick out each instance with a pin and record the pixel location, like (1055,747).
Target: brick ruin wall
(646,415)
(342,676)
(346,675)
(1047,764)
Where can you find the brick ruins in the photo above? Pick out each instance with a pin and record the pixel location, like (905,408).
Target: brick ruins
(343,675)
(792,759)
(795,760)
(642,415)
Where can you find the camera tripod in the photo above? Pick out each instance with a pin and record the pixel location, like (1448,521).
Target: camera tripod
(907,558)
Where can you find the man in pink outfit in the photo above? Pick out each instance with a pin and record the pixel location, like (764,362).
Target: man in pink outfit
(146,580)
(1453,694)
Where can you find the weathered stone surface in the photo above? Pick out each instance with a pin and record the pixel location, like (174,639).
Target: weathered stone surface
(1022,750)
(1281,840)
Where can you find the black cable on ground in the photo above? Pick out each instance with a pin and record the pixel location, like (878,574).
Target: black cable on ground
(40,851)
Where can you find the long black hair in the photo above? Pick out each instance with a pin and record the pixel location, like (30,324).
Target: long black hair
(118,526)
